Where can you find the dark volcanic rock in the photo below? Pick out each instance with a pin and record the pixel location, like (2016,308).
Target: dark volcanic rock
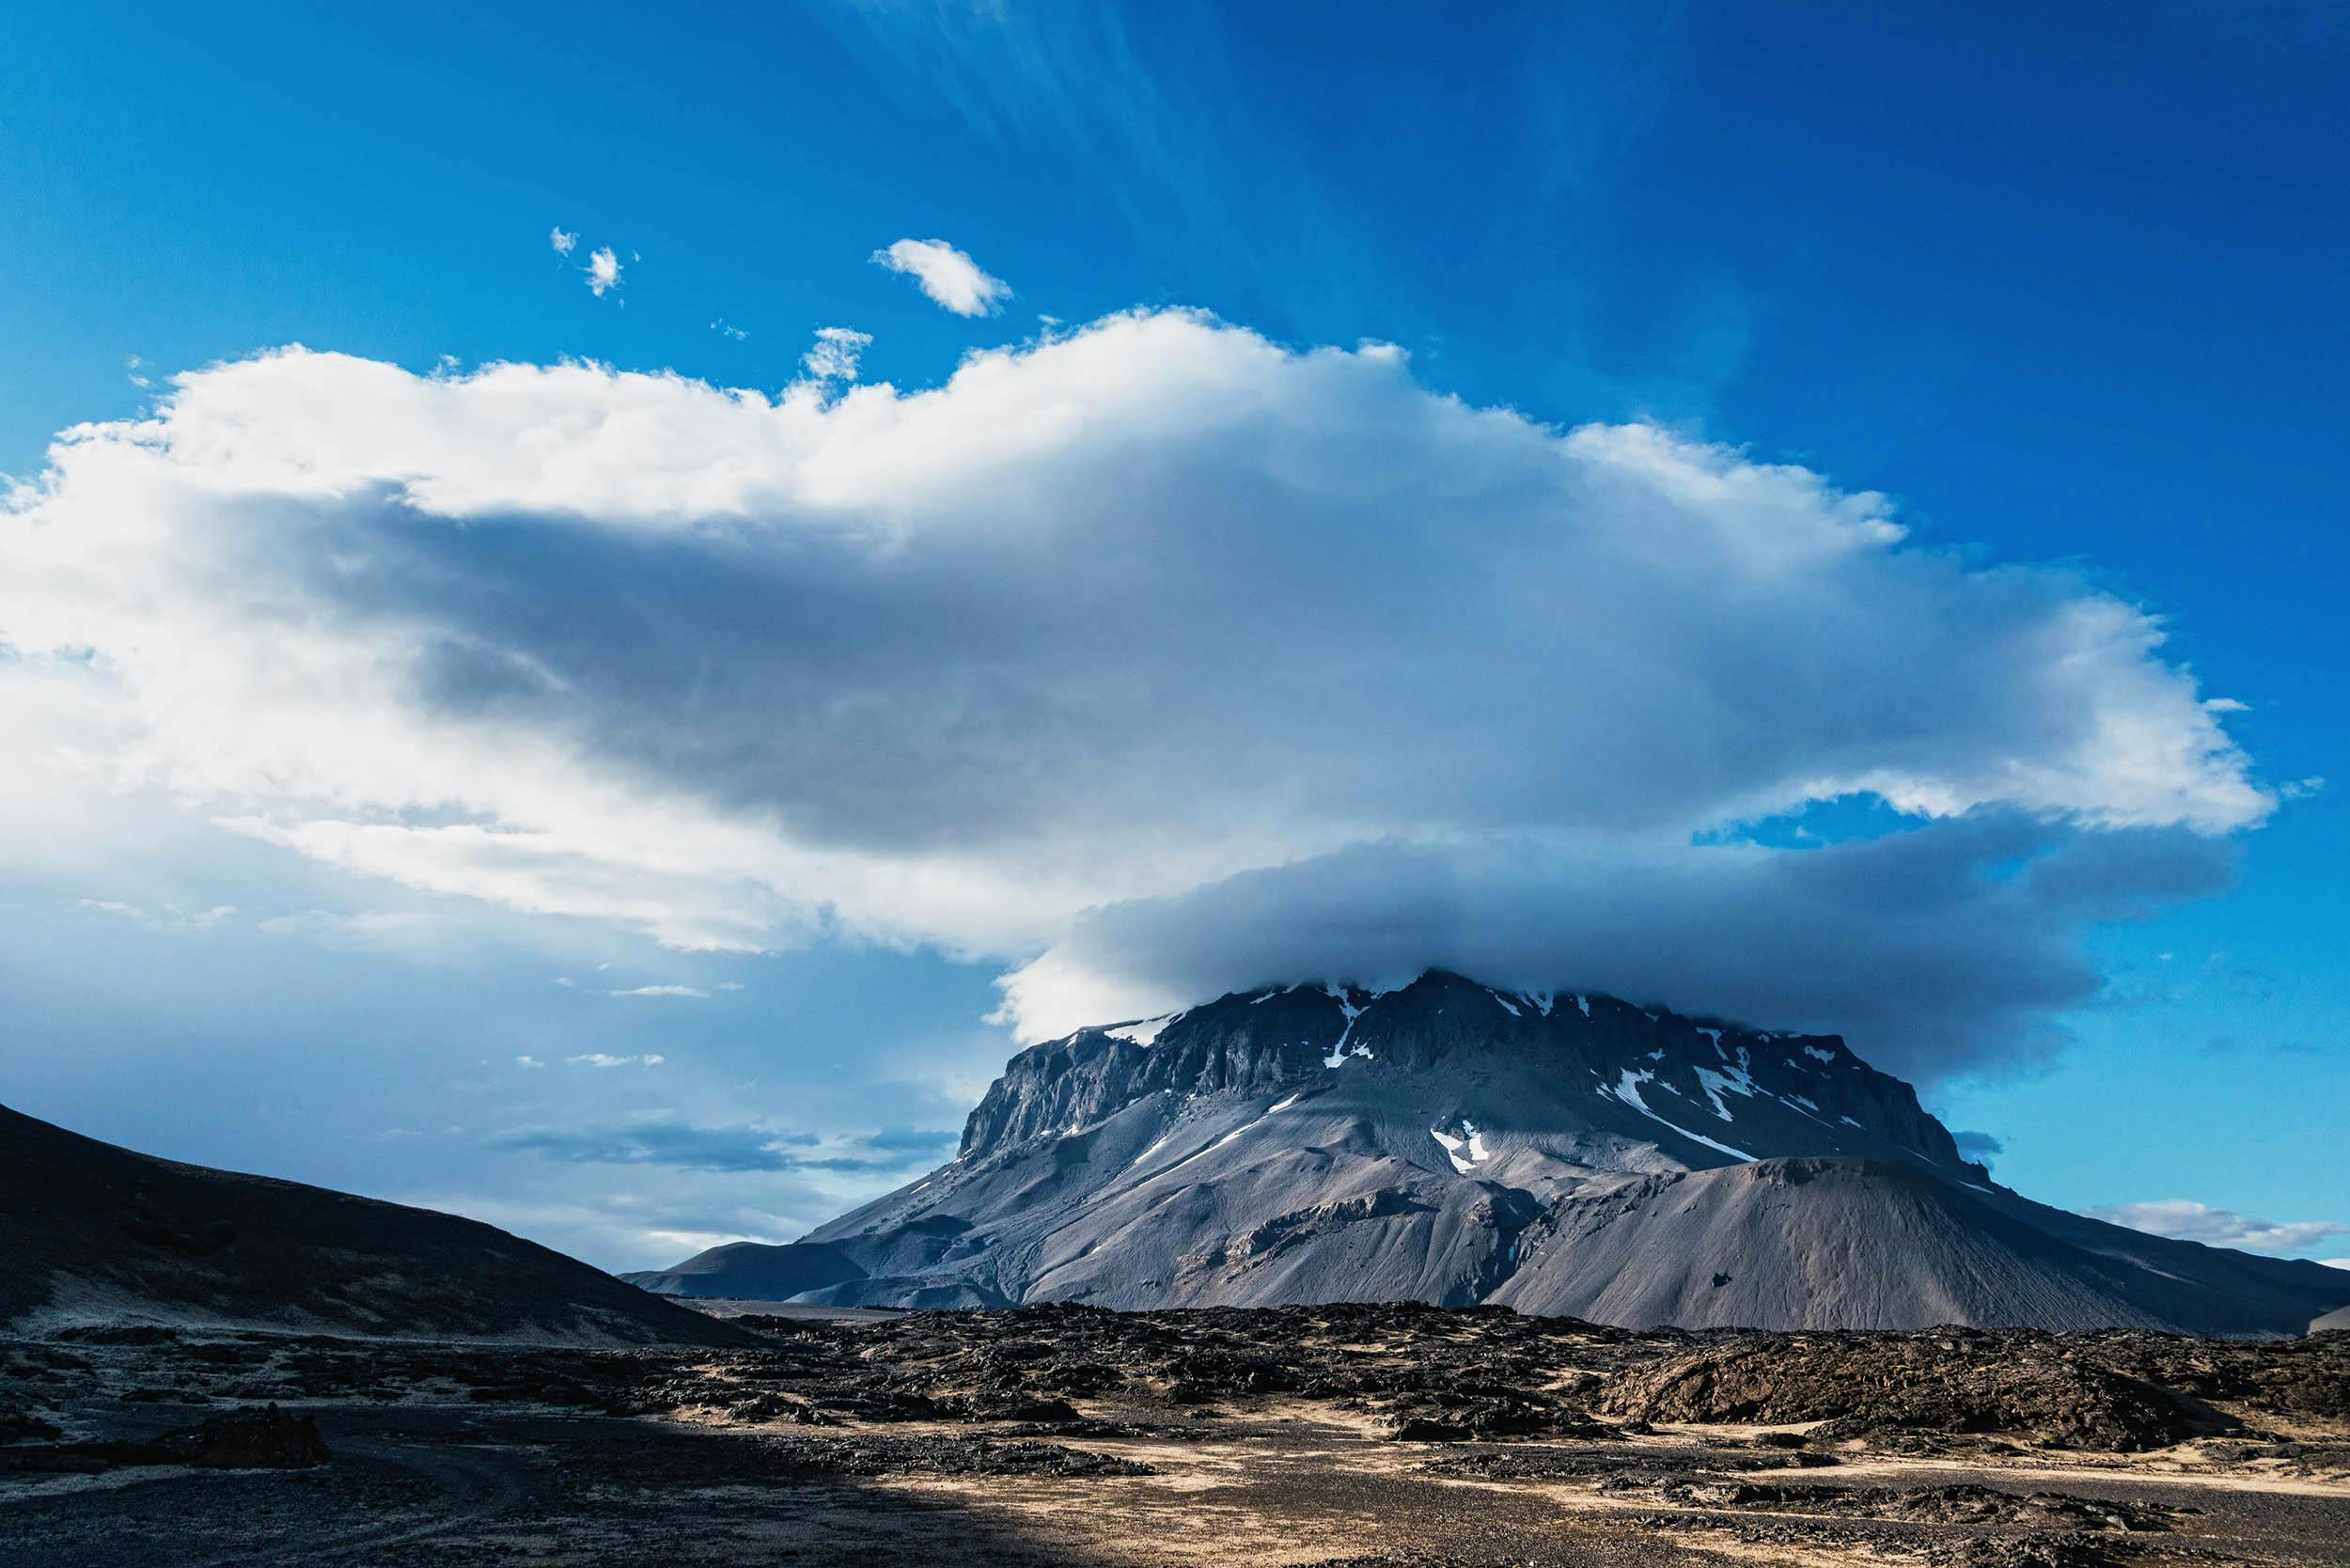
(2292,1377)
(264,1439)
(1951,1382)
(1963,1503)
(781,1458)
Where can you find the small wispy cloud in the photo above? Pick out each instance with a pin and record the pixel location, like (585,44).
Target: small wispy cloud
(603,272)
(562,239)
(373,930)
(725,328)
(2184,1220)
(528,1062)
(598,1058)
(667,1141)
(171,917)
(835,354)
(660,991)
(947,275)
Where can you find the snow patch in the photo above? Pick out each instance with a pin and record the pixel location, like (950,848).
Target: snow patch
(1508,1006)
(1584,1002)
(1473,1141)
(1818,1055)
(1338,1053)
(1540,1000)
(1284,1104)
(1733,1078)
(1143,1031)
(1627,1089)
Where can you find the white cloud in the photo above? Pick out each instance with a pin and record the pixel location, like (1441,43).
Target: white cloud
(367,930)
(950,278)
(170,916)
(1109,648)
(660,991)
(528,1062)
(2335,1263)
(727,329)
(2184,1220)
(598,1058)
(562,239)
(603,272)
(836,354)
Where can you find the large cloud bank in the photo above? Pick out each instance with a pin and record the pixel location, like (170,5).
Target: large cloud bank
(1148,660)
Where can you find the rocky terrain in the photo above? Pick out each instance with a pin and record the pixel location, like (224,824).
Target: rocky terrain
(1395,1434)
(1450,1143)
(93,1233)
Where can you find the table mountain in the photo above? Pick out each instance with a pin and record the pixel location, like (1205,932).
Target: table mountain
(1451,1142)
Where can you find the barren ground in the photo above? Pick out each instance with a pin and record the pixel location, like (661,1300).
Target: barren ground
(1367,1434)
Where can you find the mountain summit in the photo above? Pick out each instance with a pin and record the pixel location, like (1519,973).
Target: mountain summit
(1451,1142)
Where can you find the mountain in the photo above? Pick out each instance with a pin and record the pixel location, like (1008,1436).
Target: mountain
(94,1233)
(1454,1143)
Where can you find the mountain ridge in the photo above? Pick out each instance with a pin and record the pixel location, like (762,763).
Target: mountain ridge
(1451,1142)
(98,1233)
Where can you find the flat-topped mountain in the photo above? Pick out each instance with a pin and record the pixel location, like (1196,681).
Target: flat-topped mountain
(95,1234)
(1454,1143)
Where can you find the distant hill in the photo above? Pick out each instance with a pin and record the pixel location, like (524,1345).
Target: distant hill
(96,1233)
(1454,1143)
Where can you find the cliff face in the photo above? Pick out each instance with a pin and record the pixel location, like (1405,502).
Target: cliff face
(1451,1143)
(1647,1073)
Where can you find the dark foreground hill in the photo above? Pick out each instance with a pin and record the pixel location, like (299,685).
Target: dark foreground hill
(1451,1143)
(95,1234)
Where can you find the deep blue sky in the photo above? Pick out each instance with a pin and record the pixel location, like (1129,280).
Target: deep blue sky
(2071,283)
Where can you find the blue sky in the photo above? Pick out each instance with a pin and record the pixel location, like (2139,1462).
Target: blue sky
(2068,289)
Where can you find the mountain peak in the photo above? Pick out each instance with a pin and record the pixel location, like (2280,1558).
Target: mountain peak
(1596,1064)
(1450,1141)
